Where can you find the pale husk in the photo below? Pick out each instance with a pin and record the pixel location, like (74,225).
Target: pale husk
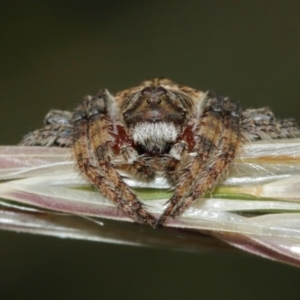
(257,207)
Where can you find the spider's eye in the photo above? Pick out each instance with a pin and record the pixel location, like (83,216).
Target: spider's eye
(149,101)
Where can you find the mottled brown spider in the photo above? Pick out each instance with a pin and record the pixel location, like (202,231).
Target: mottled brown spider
(158,121)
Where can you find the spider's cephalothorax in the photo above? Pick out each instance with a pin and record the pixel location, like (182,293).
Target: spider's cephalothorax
(155,116)
(158,119)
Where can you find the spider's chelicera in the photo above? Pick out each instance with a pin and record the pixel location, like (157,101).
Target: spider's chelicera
(158,121)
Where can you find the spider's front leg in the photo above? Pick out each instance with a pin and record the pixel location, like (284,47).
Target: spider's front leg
(217,138)
(93,140)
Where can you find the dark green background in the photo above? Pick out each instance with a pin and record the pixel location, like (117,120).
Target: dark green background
(54,52)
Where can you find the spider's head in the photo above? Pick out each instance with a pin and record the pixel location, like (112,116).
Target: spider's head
(153,105)
(154,116)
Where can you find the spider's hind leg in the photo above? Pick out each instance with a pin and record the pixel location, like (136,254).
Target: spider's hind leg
(56,132)
(261,124)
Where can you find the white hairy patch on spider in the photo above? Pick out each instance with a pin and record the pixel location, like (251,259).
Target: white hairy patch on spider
(154,136)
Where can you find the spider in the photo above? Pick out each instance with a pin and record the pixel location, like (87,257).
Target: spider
(158,121)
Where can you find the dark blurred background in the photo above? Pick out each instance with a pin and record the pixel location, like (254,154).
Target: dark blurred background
(54,52)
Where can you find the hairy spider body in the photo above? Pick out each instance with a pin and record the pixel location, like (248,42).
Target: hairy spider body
(158,120)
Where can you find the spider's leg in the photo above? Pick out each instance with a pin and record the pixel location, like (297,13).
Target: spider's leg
(288,128)
(217,139)
(58,117)
(56,132)
(138,163)
(261,124)
(177,156)
(92,146)
(206,134)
